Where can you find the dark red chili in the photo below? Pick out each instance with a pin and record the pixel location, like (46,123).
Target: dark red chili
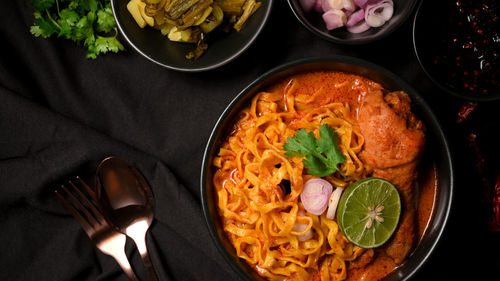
(472,138)
(491,195)
(494,223)
(468,56)
(465,110)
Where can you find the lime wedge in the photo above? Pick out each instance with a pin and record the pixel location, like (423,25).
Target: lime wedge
(368,212)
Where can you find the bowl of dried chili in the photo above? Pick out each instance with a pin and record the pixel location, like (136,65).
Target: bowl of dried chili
(459,49)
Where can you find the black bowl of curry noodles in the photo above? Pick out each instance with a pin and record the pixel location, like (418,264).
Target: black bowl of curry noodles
(435,167)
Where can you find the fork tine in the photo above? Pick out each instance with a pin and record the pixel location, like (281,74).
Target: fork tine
(85,225)
(87,188)
(80,206)
(97,213)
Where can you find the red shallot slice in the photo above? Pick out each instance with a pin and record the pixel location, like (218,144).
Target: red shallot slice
(355,18)
(334,19)
(299,227)
(333,203)
(308,5)
(315,195)
(318,7)
(332,5)
(376,14)
(349,5)
(358,28)
(360,3)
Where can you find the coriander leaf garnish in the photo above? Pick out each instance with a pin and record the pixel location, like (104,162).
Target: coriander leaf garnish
(86,22)
(322,156)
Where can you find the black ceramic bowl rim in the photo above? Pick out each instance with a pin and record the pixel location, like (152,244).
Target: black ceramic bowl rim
(441,212)
(490,97)
(198,69)
(357,41)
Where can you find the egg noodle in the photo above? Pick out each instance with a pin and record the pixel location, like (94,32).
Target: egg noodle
(258,187)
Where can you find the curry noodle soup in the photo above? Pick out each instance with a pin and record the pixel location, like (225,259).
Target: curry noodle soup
(258,187)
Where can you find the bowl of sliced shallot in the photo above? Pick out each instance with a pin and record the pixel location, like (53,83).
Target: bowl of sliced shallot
(352,22)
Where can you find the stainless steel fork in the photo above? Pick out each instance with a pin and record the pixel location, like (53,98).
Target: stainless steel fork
(104,236)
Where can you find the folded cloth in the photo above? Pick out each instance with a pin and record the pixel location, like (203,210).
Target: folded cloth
(60,115)
(39,150)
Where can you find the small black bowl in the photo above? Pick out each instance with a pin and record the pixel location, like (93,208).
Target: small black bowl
(438,152)
(314,23)
(428,33)
(222,48)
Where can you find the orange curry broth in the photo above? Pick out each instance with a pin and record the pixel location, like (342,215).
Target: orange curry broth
(348,88)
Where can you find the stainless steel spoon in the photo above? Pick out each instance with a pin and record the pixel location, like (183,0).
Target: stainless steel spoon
(127,203)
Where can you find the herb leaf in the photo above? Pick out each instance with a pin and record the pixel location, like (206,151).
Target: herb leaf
(322,156)
(105,20)
(41,5)
(86,22)
(43,28)
(89,5)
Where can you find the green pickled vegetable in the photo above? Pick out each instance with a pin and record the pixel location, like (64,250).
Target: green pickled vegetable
(231,7)
(194,13)
(176,8)
(196,53)
(214,20)
(190,21)
(248,9)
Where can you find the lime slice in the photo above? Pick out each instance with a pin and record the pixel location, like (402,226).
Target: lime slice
(368,212)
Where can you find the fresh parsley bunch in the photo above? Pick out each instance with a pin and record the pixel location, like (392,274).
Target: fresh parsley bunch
(322,156)
(89,22)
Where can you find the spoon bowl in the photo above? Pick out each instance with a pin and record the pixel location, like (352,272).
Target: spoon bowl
(127,203)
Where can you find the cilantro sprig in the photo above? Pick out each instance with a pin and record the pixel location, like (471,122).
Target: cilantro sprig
(87,22)
(322,156)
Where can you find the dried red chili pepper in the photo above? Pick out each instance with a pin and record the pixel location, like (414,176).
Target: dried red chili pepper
(472,138)
(465,110)
(491,195)
(494,222)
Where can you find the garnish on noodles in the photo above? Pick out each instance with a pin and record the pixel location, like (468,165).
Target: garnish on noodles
(322,155)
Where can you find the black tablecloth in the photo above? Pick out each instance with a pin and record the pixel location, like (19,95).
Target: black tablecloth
(60,114)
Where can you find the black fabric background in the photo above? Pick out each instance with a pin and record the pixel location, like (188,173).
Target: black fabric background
(60,114)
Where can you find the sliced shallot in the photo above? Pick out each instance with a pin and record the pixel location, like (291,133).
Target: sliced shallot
(349,5)
(300,227)
(376,14)
(308,5)
(355,18)
(332,5)
(315,195)
(347,13)
(333,203)
(318,7)
(357,15)
(358,28)
(360,3)
(334,19)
